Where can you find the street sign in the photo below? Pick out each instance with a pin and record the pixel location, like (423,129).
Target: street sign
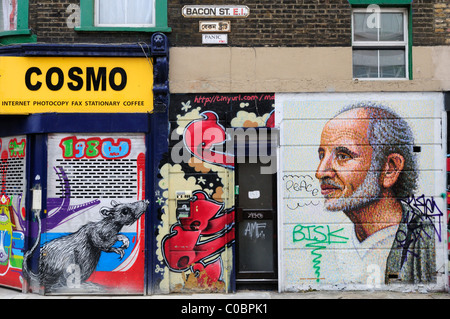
(214,38)
(214,26)
(215,11)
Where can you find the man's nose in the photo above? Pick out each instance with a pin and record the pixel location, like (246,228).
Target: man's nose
(325,168)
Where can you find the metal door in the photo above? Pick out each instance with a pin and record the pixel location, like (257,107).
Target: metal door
(256,223)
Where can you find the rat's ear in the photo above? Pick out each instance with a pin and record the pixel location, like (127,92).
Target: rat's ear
(105,211)
(392,169)
(114,203)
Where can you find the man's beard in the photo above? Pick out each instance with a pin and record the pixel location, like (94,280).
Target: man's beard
(368,192)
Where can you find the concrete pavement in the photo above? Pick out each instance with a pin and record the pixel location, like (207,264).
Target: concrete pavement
(6,293)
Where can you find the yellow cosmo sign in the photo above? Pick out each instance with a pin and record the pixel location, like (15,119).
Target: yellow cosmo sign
(75,84)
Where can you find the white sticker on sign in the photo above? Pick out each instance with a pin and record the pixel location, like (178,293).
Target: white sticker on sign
(254,194)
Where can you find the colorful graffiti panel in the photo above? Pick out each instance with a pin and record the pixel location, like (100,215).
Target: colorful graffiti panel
(362,191)
(92,234)
(195,241)
(12,209)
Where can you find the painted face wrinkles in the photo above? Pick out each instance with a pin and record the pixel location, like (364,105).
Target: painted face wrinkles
(346,177)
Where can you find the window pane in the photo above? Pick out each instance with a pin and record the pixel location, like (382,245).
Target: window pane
(8,15)
(389,27)
(365,63)
(363,29)
(392,26)
(140,12)
(392,64)
(125,12)
(111,11)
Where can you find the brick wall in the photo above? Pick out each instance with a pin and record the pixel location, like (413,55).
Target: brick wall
(306,23)
(271,23)
(48,19)
(430,22)
(442,20)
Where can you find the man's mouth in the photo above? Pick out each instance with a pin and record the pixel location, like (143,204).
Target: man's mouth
(328,187)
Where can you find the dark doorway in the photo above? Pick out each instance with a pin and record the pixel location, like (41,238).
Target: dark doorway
(256,224)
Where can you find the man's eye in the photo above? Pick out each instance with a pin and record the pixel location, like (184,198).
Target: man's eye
(343,156)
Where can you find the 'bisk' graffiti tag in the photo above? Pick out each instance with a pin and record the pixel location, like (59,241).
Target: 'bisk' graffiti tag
(318,238)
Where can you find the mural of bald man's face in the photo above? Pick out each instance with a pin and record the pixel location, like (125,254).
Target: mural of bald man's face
(345,173)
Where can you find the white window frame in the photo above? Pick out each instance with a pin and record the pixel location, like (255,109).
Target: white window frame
(142,25)
(384,44)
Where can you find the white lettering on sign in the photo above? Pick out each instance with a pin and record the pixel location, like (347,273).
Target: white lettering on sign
(214,38)
(225,11)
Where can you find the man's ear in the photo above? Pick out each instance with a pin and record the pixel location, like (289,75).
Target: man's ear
(392,169)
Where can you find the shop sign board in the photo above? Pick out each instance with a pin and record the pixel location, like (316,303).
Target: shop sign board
(215,11)
(75,85)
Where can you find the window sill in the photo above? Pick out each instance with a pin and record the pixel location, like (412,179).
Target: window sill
(379,79)
(124,29)
(380,2)
(17,36)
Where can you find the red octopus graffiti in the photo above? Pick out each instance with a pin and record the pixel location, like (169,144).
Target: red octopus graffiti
(202,235)
(195,243)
